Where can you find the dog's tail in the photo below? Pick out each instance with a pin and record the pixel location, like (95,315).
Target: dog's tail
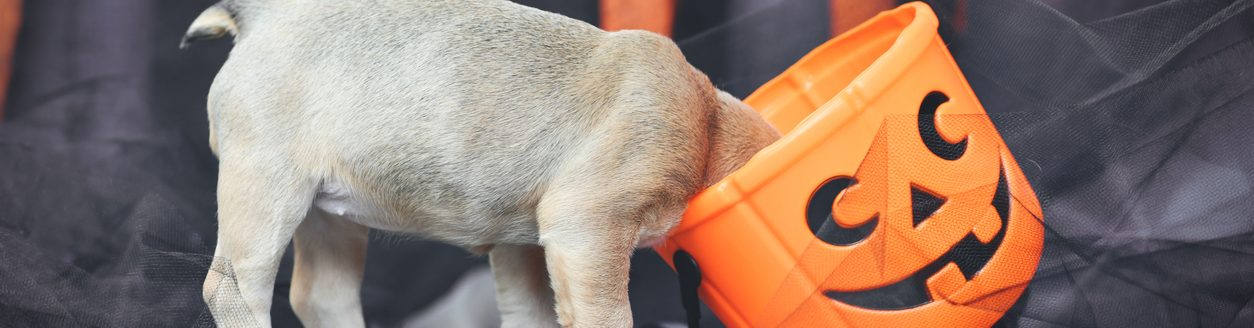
(213,23)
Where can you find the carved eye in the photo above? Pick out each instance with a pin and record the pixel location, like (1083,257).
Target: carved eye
(819,215)
(927,128)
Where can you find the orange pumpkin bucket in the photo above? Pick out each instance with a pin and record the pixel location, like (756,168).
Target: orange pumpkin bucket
(890,201)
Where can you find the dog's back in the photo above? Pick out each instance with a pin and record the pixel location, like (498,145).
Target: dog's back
(479,123)
(454,119)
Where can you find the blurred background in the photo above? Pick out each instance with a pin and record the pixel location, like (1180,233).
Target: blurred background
(1131,118)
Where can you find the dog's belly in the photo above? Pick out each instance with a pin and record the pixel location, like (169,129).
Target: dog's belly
(452,222)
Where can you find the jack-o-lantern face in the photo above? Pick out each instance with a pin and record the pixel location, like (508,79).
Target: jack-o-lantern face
(938,223)
(890,201)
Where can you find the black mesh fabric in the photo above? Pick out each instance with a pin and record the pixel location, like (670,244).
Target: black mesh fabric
(1131,125)
(1130,118)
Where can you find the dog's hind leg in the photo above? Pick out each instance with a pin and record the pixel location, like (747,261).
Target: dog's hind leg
(259,208)
(522,286)
(328,267)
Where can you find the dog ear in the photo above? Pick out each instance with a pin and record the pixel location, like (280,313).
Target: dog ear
(737,133)
(213,23)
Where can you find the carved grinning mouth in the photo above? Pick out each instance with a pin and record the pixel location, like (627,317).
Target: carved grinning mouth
(969,253)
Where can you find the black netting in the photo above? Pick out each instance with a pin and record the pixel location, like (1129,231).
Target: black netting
(1131,127)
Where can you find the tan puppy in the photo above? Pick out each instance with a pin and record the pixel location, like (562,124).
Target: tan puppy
(553,146)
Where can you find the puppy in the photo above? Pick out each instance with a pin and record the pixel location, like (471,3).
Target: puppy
(552,146)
